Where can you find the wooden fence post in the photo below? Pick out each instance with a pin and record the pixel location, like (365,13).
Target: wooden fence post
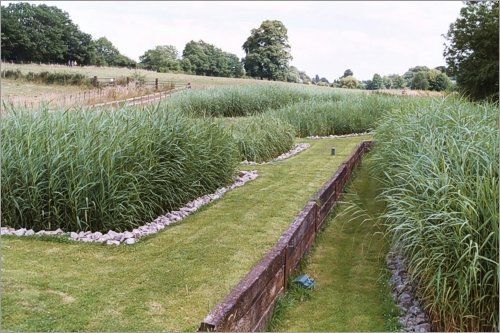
(156,83)
(94,81)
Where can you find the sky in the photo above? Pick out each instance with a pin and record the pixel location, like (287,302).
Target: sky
(326,37)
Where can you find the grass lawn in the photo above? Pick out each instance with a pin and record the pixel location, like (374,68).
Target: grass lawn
(348,264)
(170,281)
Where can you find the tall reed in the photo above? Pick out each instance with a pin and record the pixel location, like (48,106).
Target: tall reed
(101,170)
(263,137)
(240,101)
(354,113)
(439,164)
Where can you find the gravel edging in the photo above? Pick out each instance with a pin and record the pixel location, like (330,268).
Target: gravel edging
(297,148)
(339,136)
(130,237)
(413,318)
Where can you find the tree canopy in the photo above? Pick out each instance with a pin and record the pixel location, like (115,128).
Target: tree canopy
(471,50)
(43,34)
(163,58)
(267,51)
(203,58)
(108,55)
(347,73)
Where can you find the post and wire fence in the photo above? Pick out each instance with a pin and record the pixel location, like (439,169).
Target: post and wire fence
(104,91)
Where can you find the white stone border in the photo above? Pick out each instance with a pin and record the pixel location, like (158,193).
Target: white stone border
(130,237)
(339,136)
(297,148)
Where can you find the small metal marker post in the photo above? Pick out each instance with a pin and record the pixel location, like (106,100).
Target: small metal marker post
(333,150)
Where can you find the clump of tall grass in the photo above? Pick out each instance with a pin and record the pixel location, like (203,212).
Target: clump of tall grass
(101,170)
(261,138)
(439,163)
(352,114)
(240,101)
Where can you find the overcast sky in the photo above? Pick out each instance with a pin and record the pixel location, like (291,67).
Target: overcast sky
(326,37)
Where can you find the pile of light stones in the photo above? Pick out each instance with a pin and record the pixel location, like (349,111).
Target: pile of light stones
(414,318)
(297,148)
(130,237)
(339,136)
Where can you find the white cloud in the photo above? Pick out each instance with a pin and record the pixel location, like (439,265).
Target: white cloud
(326,37)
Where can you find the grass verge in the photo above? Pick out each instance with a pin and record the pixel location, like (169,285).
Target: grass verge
(348,263)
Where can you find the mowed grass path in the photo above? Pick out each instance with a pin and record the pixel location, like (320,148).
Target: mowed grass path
(348,264)
(170,281)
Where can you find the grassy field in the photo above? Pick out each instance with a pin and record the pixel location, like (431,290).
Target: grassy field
(348,264)
(169,281)
(195,80)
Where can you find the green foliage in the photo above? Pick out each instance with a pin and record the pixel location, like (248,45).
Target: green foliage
(349,82)
(350,114)
(43,34)
(423,78)
(438,81)
(420,81)
(347,73)
(101,170)
(304,77)
(243,101)
(263,137)
(163,58)
(376,83)
(267,51)
(49,77)
(398,81)
(472,49)
(387,82)
(293,75)
(439,163)
(202,58)
(108,55)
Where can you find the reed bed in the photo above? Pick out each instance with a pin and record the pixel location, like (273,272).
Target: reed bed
(439,163)
(351,114)
(261,138)
(102,170)
(241,101)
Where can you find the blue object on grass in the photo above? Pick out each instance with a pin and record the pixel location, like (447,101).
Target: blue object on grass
(305,281)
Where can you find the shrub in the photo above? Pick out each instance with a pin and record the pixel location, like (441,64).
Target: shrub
(101,170)
(49,77)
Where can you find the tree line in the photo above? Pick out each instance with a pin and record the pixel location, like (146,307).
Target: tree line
(41,33)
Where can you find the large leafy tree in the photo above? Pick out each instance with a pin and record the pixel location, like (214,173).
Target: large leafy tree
(203,58)
(267,51)
(471,50)
(163,58)
(43,34)
(347,73)
(376,83)
(108,55)
(420,81)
